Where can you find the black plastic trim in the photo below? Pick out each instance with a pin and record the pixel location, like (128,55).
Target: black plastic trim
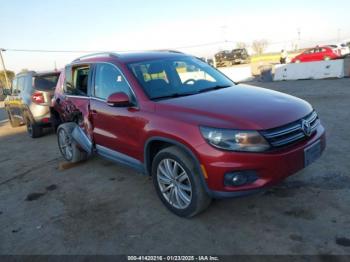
(234,194)
(120,158)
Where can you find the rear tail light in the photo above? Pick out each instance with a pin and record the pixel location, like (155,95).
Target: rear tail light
(45,120)
(38,98)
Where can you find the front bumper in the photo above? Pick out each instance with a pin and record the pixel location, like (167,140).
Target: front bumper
(271,167)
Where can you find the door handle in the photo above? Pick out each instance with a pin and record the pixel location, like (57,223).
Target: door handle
(94,112)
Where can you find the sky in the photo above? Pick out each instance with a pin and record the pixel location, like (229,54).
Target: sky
(195,27)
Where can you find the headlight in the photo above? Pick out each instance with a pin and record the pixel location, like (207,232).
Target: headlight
(235,140)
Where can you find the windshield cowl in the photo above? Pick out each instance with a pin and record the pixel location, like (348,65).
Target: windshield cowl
(175,95)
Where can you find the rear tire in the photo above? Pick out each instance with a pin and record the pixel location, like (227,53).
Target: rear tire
(69,149)
(34,130)
(180,189)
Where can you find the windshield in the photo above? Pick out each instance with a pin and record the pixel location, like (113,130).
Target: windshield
(183,76)
(237,51)
(46,82)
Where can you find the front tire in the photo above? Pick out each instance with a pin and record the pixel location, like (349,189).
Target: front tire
(69,149)
(178,184)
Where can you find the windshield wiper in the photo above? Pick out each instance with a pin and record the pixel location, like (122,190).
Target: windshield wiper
(213,88)
(174,95)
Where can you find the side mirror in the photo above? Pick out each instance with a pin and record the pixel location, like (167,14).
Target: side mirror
(118,100)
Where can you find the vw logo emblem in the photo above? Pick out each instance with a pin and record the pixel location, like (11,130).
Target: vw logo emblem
(306,127)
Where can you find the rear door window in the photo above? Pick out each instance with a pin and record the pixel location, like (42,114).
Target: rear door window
(77,80)
(81,79)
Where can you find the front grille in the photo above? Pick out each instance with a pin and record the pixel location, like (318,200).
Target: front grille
(291,133)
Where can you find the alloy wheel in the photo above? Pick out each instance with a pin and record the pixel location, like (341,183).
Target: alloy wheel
(174,183)
(65,144)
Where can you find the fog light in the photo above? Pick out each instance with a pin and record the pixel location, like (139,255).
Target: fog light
(240,178)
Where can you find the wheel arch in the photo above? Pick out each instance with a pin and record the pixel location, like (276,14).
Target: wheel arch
(160,143)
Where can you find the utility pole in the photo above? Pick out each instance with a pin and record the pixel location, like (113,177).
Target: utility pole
(299,37)
(3,66)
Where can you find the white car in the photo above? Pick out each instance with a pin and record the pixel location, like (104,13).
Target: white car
(343,48)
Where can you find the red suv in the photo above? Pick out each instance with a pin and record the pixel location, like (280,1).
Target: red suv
(318,53)
(176,118)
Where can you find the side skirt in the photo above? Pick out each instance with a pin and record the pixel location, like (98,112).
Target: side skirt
(120,158)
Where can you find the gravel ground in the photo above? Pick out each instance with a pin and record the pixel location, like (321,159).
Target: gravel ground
(101,208)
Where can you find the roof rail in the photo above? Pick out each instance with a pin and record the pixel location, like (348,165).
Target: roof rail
(104,54)
(169,50)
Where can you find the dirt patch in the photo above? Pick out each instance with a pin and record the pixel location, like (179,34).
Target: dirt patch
(343,241)
(331,181)
(16,230)
(34,196)
(279,192)
(121,179)
(67,165)
(300,213)
(285,189)
(4,160)
(328,181)
(51,188)
(296,237)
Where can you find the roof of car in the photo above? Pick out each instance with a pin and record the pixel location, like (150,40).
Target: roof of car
(34,73)
(130,57)
(48,72)
(320,46)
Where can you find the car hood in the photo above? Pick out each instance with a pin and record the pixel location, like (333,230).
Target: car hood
(239,106)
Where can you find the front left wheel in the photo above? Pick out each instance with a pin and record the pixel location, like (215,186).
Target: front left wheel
(178,184)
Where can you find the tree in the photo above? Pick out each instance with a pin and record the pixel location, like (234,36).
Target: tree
(259,46)
(10,76)
(241,45)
